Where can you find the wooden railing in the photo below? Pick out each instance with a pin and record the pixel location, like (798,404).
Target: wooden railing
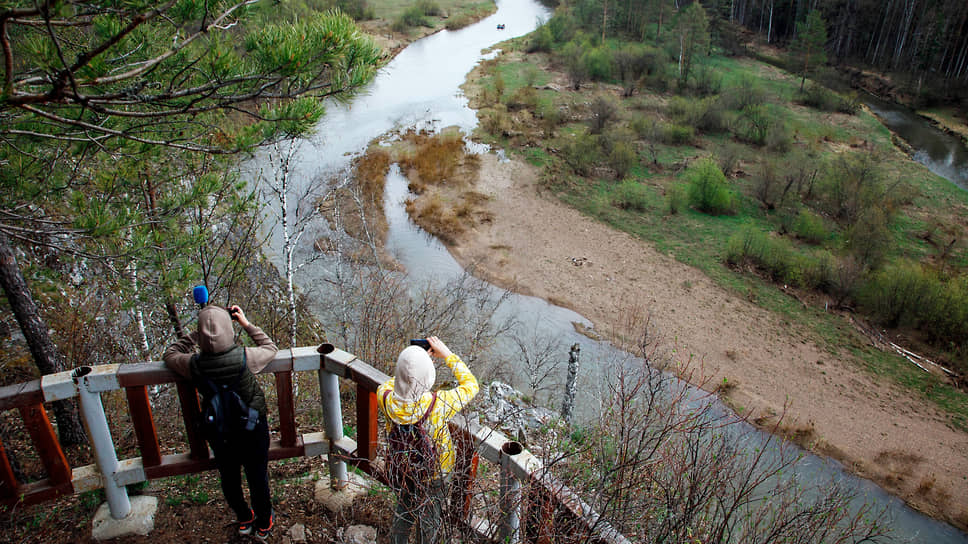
(529,515)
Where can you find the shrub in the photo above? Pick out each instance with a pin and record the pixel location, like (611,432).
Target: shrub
(496,120)
(778,137)
(705,114)
(673,134)
(709,191)
(744,93)
(676,199)
(410,18)
(870,239)
(631,195)
(598,64)
(542,40)
(581,152)
(774,255)
(429,8)
(728,157)
(604,111)
(753,124)
(895,294)
(946,313)
(822,98)
(810,227)
(622,158)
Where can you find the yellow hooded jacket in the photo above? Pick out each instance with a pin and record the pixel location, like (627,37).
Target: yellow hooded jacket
(449,402)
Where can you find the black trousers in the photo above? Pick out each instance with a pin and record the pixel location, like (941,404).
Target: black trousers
(248,450)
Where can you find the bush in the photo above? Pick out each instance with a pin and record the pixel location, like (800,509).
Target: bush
(870,238)
(631,195)
(581,153)
(676,199)
(673,134)
(728,157)
(604,111)
(709,191)
(622,158)
(810,227)
(413,17)
(775,256)
(753,124)
(704,114)
(744,93)
(778,137)
(542,40)
(429,8)
(822,98)
(598,64)
(895,294)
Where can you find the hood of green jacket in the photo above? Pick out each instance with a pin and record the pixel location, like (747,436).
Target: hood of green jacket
(215,334)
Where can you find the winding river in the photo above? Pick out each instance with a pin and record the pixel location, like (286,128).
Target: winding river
(420,88)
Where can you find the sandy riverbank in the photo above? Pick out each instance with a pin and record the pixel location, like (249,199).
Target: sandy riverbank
(874,427)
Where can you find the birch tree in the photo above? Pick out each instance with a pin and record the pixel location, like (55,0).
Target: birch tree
(693,29)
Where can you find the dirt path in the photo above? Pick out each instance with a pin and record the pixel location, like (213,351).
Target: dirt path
(874,427)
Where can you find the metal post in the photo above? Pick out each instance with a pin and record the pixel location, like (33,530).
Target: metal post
(333,421)
(107,459)
(510,531)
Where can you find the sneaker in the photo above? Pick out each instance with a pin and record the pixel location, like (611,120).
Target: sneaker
(263,534)
(245,527)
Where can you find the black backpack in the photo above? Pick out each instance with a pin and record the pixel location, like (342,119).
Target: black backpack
(411,452)
(223,410)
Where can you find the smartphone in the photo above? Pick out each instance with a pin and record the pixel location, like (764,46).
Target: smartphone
(422,342)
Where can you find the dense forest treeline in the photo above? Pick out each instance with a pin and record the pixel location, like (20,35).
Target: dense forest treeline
(925,41)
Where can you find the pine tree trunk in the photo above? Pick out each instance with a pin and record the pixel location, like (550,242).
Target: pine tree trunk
(46,356)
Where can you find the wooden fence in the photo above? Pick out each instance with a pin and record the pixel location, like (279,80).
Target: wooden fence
(530,515)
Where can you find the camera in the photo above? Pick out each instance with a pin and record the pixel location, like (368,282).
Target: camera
(234,313)
(422,342)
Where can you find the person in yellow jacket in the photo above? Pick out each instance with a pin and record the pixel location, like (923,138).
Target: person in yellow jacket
(406,398)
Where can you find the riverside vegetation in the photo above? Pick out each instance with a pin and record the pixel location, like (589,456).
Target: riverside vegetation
(797,199)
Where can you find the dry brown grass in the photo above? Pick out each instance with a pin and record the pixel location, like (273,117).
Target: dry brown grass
(435,157)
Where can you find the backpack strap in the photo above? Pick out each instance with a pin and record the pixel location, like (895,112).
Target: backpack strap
(430,409)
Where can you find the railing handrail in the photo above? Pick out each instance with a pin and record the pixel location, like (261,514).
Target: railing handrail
(88,382)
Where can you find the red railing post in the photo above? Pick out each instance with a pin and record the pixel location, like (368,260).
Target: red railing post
(287,409)
(191,411)
(42,433)
(366,426)
(465,474)
(540,517)
(144,425)
(7,477)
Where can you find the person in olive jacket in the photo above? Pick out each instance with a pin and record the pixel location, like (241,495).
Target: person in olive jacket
(211,352)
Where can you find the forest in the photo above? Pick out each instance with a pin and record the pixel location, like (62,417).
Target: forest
(925,42)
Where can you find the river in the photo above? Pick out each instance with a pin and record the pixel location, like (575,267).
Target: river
(942,153)
(420,88)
